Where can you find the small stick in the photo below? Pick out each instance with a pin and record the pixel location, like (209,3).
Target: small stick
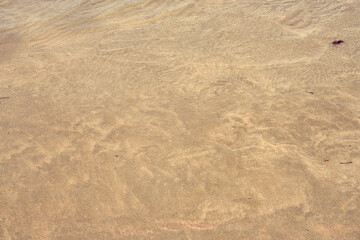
(345,162)
(337,42)
(4,97)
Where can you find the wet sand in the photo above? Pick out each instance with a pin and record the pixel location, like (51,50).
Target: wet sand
(191,119)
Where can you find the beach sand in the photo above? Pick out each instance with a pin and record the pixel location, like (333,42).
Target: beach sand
(180,119)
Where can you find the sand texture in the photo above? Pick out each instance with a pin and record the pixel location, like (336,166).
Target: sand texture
(180,119)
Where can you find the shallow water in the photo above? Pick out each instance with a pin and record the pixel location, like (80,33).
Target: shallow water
(193,119)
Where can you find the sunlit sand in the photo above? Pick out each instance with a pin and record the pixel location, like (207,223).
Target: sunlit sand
(191,119)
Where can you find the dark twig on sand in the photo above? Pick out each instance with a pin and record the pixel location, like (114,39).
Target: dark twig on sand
(346,162)
(337,42)
(4,97)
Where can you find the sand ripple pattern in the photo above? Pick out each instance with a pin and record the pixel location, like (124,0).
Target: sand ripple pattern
(192,119)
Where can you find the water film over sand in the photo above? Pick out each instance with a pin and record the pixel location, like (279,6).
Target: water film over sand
(180,119)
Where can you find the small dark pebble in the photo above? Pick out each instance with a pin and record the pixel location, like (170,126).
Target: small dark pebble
(116,156)
(345,162)
(326,160)
(337,42)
